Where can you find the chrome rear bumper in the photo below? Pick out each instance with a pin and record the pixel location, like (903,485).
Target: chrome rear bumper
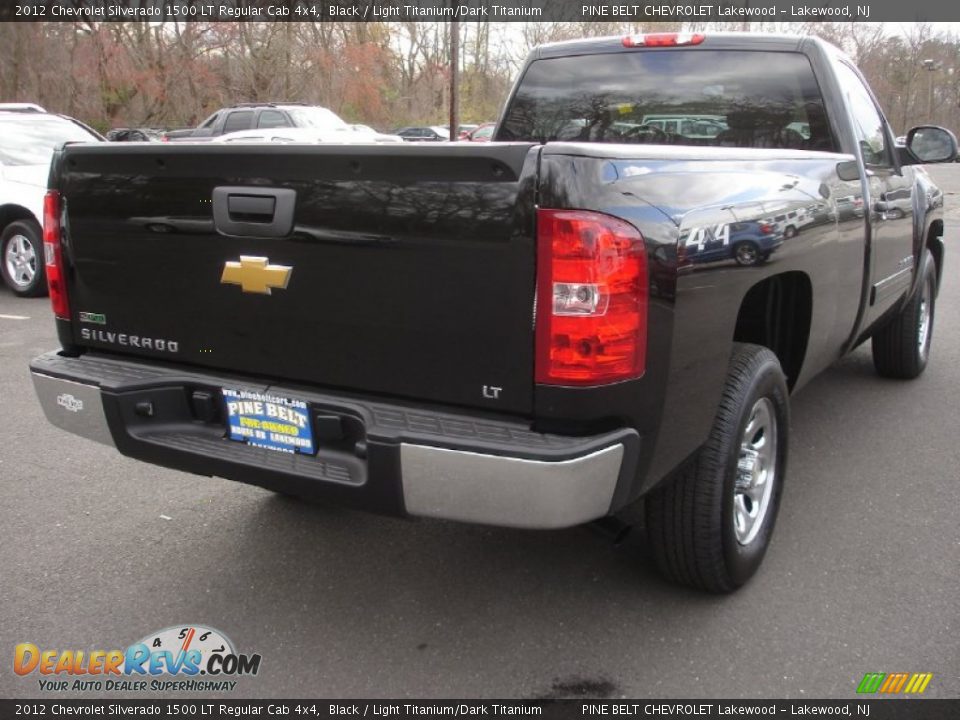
(458,468)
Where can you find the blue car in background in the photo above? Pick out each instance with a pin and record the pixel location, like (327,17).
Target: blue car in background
(748,242)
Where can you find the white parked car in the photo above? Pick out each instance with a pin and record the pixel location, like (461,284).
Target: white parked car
(359,127)
(28,137)
(344,134)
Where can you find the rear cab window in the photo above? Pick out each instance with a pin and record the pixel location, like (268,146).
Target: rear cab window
(672,97)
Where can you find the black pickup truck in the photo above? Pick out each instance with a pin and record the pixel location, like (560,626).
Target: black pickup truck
(535,332)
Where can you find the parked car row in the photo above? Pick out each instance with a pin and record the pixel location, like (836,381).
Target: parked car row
(264,117)
(257,122)
(427,133)
(441,133)
(135,134)
(346,134)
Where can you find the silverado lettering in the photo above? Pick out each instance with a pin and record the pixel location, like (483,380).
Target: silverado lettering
(137,341)
(614,300)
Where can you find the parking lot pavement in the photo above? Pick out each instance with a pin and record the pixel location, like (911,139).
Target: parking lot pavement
(98,551)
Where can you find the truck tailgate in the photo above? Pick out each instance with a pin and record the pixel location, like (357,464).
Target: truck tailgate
(406,271)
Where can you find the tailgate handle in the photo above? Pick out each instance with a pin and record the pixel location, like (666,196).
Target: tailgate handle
(257,208)
(253,211)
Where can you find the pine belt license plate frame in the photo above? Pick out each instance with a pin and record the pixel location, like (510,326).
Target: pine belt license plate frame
(272,422)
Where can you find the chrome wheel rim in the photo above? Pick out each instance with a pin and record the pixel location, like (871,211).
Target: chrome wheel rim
(923,333)
(746,254)
(756,472)
(21,261)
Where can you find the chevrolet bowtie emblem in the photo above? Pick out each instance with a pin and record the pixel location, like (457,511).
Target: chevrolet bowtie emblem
(254,275)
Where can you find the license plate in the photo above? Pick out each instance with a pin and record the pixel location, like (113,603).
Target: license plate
(269,421)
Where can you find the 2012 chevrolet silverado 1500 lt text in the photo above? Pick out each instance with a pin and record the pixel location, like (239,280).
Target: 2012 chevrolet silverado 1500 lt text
(602,305)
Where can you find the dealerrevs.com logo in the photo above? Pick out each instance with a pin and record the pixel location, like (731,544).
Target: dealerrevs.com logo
(176,659)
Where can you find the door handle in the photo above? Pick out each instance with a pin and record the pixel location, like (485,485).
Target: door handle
(253,211)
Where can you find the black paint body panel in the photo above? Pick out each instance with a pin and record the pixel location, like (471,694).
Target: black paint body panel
(414,266)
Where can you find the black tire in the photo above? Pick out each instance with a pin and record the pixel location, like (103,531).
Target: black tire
(21,259)
(789,232)
(746,253)
(901,348)
(690,519)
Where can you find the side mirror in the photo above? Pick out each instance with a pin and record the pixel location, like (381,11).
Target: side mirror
(932,144)
(848,171)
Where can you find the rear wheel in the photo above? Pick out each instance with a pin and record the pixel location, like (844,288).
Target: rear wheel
(711,525)
(21,258)
(901,348)
(746,253)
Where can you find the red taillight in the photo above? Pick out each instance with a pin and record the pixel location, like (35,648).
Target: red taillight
(53,255)
(663,39)
(766,229)
(591,299)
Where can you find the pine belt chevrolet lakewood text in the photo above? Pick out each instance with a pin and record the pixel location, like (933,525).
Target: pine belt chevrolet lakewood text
(534,332)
